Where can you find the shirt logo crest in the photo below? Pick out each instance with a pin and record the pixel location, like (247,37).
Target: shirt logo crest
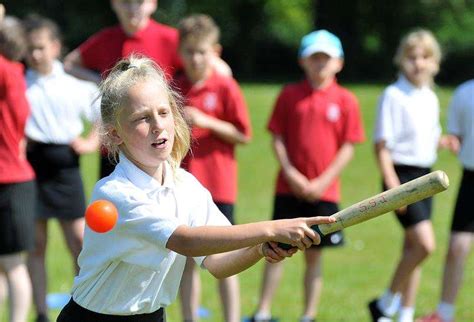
(333,112)
(210,101)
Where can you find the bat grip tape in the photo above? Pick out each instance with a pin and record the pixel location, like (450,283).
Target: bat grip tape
(288,246)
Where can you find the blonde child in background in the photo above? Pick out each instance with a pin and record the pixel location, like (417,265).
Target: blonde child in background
(60,105)
(134,271)
(461,142)
(315,125)
(407,135)
(17,187)
(217,111)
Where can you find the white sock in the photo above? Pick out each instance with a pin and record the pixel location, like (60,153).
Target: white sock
(446,311)
(406,314)
(389,303)
(262,315)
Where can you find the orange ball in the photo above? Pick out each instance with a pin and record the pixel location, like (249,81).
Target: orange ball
(101,216)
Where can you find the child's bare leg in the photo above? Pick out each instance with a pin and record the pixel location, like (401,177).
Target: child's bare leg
(19,286)
(313,282)
(230,294)
(190,291)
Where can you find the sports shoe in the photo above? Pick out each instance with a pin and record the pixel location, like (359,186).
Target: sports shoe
(433,317)
(376,314)
(253,319)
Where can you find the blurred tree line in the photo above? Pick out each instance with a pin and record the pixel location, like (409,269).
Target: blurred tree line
(261,37)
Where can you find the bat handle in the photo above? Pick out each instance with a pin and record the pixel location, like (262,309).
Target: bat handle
(314,227)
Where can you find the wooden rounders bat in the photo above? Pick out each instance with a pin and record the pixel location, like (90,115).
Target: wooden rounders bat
(398,197)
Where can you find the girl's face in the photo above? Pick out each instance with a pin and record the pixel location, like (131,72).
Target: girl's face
(145,132)
(418,66)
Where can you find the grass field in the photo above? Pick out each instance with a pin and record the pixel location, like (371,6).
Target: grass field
(352,275)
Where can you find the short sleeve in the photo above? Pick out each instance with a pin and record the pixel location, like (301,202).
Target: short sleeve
(90,101)
(454,124)
(236,109)
(354,130)
(276,124)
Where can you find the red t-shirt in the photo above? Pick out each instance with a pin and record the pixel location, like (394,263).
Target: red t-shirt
(14,111)
(314,124)
(211,160)
(157,41)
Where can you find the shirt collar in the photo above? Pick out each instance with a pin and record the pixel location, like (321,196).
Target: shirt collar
(308,87)
(56,71)
(141,179)
(407,86)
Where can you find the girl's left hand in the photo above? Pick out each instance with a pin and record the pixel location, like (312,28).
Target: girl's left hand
(196,117)
(274,254)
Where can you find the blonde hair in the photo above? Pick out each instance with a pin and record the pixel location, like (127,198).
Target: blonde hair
(12,38)
(419,37)
(125,74)
(198,27)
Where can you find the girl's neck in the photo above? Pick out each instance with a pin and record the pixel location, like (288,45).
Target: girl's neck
(321,83)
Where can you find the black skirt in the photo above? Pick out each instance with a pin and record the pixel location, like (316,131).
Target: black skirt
(73,312)
(59,182)
(17,221)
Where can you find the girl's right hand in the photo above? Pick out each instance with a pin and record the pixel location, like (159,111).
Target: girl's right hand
(274,254)
(298,232)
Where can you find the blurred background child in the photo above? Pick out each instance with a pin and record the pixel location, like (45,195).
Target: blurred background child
(461,142)
(217,111)
(407,135)
(136,33)
(17,188)
(315,124)
(60,103)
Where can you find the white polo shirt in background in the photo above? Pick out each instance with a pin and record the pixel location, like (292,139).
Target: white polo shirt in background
(129,270)
(461,121)
(408,122)
(59,105)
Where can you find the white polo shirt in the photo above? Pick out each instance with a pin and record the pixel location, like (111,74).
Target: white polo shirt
(461,121)
(59,105)
(408,121)
(129,270)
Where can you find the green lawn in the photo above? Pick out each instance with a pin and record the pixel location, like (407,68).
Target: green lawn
(353,274)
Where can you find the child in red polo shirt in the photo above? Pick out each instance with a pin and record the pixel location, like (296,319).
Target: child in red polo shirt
(136,33)
(17,186)
(315,124)
(218,113)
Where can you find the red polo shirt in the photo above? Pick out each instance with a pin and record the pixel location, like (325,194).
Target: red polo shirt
(157,41)
(14,111)
(314,125)
(211,160)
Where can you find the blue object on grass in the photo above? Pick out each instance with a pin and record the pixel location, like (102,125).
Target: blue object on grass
(57,300)
(203,313)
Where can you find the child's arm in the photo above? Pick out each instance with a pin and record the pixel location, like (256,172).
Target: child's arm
(296,180)
(386,166)
(88,144)
(208,240)
(73,65)
(319,185)
(231,263)
(225,131)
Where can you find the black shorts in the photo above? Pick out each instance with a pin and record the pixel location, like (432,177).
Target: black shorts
(227,210)
(463,218)
(288,206)
(17,221)
(73,312)
(58,179)
(418,211)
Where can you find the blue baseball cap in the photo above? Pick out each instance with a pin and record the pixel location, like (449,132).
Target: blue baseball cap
(320,41)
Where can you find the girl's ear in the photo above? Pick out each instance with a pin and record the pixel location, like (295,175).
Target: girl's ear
(115,135)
